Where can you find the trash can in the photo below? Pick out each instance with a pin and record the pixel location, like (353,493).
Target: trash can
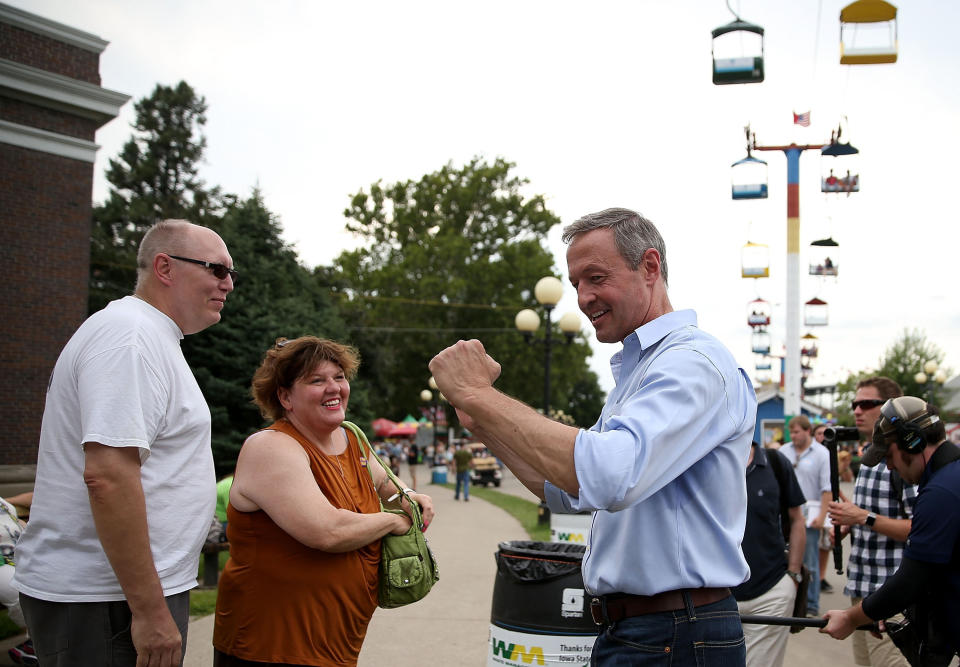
(439,475)
(540,613)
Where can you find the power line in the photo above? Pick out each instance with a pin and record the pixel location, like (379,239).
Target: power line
(432,330)
(426,302)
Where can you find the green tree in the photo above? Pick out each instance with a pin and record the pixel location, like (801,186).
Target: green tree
(275,296)
(452,255)
(900,362)
(154,177)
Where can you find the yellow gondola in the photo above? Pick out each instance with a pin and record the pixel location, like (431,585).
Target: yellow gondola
(868,33)
(755,261)
(808,349)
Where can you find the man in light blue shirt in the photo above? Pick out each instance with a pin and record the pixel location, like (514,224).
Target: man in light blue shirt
(663,468)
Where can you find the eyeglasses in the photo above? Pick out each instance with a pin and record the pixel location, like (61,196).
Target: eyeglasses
(219,270)
(866,403)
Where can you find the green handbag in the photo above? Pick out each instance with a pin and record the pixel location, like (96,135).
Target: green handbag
(408,568)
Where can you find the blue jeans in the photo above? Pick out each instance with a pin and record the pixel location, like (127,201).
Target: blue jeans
(811,558)
(463,479)
(705,636)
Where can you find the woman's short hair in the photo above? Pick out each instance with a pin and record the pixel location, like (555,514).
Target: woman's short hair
(290,360)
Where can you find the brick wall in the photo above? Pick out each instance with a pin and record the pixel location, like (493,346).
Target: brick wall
(45,211)
(51,120)
(46,53)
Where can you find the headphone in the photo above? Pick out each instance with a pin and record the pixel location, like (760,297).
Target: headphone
(911,435)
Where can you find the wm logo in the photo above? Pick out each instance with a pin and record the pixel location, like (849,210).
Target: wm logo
(518,652)
(570,537)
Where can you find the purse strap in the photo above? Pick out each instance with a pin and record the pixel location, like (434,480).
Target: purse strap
(365,445)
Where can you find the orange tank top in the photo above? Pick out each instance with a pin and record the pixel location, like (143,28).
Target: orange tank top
(280,601)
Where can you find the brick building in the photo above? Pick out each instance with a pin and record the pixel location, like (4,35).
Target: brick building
(51,105)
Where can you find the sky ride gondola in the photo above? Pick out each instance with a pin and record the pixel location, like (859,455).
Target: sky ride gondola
(824,257)
(758,313)
(760,341)
(755,261)
(839,182)
(868,33)
(809,351)
(816,313)
(737,52)
(749,178)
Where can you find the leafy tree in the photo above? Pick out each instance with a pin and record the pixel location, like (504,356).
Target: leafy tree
(275,296)
(452,255)
(154,177)
(900,362)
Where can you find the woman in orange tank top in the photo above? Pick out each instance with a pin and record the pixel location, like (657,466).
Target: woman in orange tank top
(304,522)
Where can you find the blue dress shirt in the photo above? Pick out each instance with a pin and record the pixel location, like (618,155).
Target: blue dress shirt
(664,467)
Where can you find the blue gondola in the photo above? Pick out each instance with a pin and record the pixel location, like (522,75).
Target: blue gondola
(749,178)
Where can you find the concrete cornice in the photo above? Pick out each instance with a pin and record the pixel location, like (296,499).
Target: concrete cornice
(59,92)
(47,142)
(47,28)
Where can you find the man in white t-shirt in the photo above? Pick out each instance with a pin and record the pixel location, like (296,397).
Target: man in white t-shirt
(125,482)
(811,464)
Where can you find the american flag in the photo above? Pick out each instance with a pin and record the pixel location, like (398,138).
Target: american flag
(801,118)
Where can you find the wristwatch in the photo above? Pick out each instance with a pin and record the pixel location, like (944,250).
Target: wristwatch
(871,519)
(796,576)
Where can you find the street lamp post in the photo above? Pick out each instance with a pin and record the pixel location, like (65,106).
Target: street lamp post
(548,291)
(431,397)
(929,377)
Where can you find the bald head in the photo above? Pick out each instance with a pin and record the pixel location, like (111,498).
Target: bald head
(169,236)
(176,273)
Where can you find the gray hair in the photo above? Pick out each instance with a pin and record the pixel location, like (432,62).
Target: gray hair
(169,236)
(632,233)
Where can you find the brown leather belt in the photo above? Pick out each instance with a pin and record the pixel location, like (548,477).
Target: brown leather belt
(612,608)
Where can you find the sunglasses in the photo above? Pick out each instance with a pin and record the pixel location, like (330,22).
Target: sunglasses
(866,403)
(219,270)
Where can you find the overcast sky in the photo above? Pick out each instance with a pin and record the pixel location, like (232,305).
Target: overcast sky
(599,104)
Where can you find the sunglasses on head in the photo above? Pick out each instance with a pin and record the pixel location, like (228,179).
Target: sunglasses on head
(219,270)
(866,403)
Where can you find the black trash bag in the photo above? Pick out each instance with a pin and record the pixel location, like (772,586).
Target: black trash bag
(528,561)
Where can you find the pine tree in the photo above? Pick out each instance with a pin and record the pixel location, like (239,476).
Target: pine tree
(154,177)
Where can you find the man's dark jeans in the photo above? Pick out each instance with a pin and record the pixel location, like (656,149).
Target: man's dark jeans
(706,636)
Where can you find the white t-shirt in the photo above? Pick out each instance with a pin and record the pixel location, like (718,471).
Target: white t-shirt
(812,469)
(120,381)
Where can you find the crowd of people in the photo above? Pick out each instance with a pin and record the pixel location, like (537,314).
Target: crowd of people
(694,524)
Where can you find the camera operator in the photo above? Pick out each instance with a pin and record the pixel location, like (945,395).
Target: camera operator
(912,440)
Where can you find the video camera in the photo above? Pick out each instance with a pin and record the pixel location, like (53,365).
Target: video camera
(831,436)
(841,433)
